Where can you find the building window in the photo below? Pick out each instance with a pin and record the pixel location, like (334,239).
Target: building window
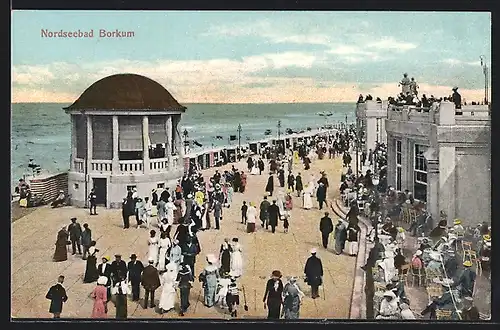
(76,186)
(399,157)
(420,173)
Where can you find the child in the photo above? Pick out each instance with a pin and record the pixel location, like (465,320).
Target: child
(244,209)
(223,289)
(233,297)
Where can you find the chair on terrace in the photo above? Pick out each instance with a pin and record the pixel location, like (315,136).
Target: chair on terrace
(467,250)
(443,314)
(405,272)
(419,274)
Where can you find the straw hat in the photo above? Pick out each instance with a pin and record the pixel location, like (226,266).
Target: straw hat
(211,258)
(102,280)
(401,229)
(457,222)
(313,250)
(107,258)
(389,294)
(488,244)
(418,253)
(487,238)
(467,263)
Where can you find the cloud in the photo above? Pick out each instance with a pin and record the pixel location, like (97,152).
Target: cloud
(455,62)
(389,43)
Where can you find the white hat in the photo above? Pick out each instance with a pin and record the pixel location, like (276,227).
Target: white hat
(389,294)
(102,280)
(170,199)
(151,261)
(211,258)
(313,250)
(435,256)
(190,196)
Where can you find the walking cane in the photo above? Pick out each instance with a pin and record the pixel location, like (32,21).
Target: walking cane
(245,307)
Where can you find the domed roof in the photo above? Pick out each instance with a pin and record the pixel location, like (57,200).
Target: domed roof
(126,91)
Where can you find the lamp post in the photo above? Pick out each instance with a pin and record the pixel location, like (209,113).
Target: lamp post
(346,121)
(185,134)
(375,182)
(279,129)
(239,141)
(485,72)
(86,159)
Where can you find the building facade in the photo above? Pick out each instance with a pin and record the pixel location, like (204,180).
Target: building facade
(124,134)
(370,121)
(443,157)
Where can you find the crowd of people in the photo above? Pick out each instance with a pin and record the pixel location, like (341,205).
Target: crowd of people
(198,204)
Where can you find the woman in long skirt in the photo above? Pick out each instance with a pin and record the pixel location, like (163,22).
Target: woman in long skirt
(230,193)
(120,290)
(251,217)
(153,247)
(164,245)
(352,238)
(292,297)
(100,296)
(61,253)
(307,200)
(209,278)
(91,273)
(236,259)
(168,294)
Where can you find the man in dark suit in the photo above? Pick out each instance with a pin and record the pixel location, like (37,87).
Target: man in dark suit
(321,194)
(150,282)
(86,240)
(274,213)
(75,234)
(314,273)
(326,228)
(135,268)
(105,269)
(118,269)
(57,296)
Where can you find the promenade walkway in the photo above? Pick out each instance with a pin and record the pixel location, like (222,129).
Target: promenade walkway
(33,272)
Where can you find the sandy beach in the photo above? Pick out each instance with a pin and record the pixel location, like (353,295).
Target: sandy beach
(33,271)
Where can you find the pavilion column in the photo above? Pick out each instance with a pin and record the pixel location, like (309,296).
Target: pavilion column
(433,190)
(89,144)
(145,143)
(116,146)
(73,143)
(180,142)
(170,141)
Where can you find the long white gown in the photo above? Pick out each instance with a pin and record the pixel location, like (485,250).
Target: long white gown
(280,201)
(237,261)
(168,295)
(170,208)
(255,169)
(164,244)
(251,214)
(153,249)
(307,199)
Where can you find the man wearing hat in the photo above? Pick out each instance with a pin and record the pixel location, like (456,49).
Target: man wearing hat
(450,263)
(75,234)
(93,202)
(118,269)
(185,279)
(443,302)
(469,312)
(457,99)
(189,207)
(106,270)
(150,281)
(439,231)
(398,288)
(466,279)
(314,273)
(135,268)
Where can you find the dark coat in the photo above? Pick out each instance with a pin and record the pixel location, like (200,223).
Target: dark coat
(470,314)
(118,268)
(291,179)
(298,183)
(281,177)
(326,225)
(150,278)
(86,237)
(270,184)
(61,253)
(75,231)
(260,163)
(264,210)
(135,270)
(353,232)
(274,212)
(313,271)
(321,193)
(273,296)
(107,272)
(57,296)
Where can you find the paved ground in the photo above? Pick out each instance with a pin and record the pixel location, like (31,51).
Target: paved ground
(33,272)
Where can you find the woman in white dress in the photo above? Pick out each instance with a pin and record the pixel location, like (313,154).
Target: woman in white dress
(307,199)
(168,294)
(170,208)
(236,259)
(205,212)
(255,168)
(153,247)
(251,217)
(164,244)
(147,212)
(280,201)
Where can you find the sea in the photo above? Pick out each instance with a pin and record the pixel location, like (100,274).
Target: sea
(41,131)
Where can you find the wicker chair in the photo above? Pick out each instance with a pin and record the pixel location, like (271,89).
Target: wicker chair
(477,261)
(419,274)
(467,249)
(405,272)
(430,275)
(442,314)
(434,291)
(412,214)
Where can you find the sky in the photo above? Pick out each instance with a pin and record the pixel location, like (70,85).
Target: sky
(252,57)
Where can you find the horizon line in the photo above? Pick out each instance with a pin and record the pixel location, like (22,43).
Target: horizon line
(211,102)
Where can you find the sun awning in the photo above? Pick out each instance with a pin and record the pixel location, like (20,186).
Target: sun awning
(157,130)
(130,133)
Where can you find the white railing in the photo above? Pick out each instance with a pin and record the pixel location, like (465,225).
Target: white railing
(158,164)
(131,165)
(101,165)
(79,165)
